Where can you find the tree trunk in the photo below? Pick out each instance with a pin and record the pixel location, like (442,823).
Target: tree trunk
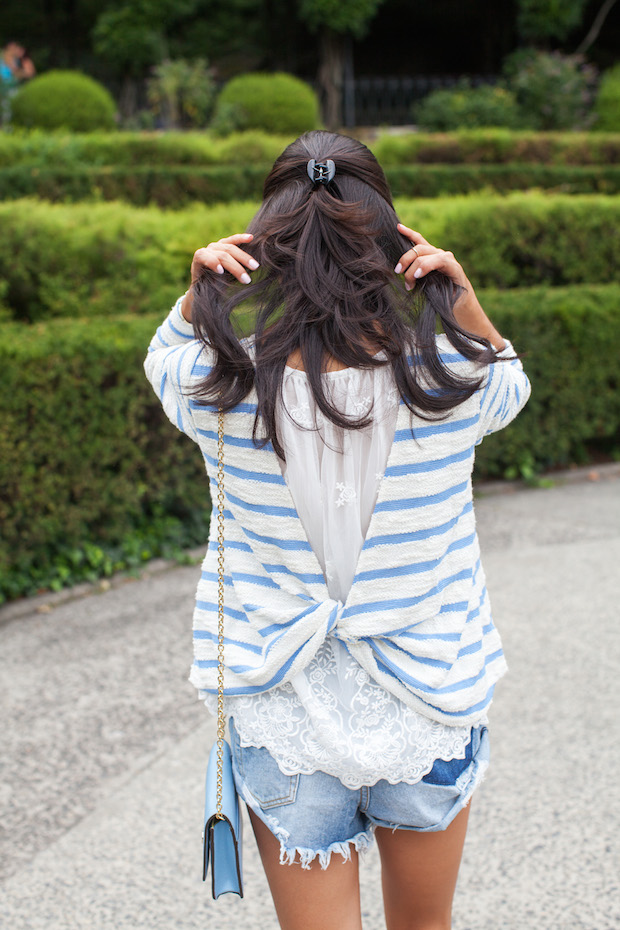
(128,100)
(595,28)
(330,76)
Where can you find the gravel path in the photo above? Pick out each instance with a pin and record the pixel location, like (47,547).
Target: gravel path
(103,756)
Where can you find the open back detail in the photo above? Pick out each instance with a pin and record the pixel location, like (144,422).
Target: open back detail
(416,617)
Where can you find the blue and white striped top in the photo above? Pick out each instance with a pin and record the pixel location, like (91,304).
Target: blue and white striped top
(417,617)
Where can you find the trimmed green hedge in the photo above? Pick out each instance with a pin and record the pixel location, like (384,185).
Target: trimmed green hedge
(497,146)
(70,150)
(66,100)
(172,187)
(484,146)
(273,102)
(94,259)
(178,186)
(101,259)
(568,339)
(88,459)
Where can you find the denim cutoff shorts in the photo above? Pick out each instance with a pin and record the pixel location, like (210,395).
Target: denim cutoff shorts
(316,815)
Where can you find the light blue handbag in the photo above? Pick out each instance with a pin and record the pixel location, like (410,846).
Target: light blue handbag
(222,820)
(222,833)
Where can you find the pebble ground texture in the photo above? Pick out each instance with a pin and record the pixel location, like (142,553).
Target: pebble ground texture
(103,753)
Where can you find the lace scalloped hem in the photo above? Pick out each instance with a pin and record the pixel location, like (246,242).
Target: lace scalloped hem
(405,752)
(332,717)
(410,772)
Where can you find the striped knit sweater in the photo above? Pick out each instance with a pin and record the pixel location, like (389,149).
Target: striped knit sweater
(417,617)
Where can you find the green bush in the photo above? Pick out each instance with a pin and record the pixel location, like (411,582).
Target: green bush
(101,259)
(467,106)
(179,186)
(106,259)
(63,100)
(59,150)
(524,239)
(564,335)
(173,187)
(607,104)
(498,146)
(93,477)
(90,477)
(276,102)
(553,91)
(130,149)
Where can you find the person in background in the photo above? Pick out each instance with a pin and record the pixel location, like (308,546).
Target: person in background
(16,66)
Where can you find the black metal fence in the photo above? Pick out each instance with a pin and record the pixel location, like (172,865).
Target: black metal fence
(376,101)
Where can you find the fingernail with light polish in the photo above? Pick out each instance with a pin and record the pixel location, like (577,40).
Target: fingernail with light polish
(417,273)
(398,268)
(245,278)
(253,264)
(219,269)
(407,286)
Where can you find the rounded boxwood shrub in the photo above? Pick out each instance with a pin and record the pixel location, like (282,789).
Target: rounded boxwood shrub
(277,103)
(607,105)
(554,91)
(63,100)
(467,106)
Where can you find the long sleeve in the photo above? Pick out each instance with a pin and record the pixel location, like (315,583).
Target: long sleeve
(174,360)
(505,393)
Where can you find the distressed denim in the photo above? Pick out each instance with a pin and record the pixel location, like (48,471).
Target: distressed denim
(316,815)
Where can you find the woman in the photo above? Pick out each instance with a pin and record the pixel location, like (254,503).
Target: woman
(360,653)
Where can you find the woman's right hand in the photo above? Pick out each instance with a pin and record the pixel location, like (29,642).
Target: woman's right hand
(225,255)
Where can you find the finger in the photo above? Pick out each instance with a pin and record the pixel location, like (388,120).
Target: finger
(409,257)
(236,239)
(242,257)
(416,237)
(436,261)
(236,269)
(206,258)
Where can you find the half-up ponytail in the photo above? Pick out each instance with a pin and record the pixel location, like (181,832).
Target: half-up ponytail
(326,288)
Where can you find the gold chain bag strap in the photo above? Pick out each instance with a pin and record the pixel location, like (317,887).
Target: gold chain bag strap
(222,820)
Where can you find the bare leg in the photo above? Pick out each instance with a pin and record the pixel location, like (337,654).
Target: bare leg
(419,873)
(305,899)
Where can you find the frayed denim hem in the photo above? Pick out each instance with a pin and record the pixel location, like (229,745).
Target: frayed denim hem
(361,842)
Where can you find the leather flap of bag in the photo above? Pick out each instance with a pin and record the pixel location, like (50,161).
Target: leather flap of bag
(223,849)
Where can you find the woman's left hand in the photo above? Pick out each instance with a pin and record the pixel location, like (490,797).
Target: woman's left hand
(467,310)
(415,263)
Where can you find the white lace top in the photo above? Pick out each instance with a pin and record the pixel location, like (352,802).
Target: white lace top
(332,717)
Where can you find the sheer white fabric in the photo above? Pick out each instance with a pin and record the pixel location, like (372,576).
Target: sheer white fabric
(332,717)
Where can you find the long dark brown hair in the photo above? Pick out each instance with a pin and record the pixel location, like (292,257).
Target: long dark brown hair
(326,287)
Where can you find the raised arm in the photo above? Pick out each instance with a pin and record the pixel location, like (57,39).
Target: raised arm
(175,358)
(424,257)
(170,365)
(507,387)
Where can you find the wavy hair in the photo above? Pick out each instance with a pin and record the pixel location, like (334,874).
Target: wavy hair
(326,287)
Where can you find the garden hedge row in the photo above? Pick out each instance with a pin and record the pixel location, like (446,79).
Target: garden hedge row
(86,454)
(177,186)
(133,149)
(94,259)
(495,146)
(86,457)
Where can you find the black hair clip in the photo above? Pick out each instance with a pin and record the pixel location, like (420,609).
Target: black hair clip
(321,172)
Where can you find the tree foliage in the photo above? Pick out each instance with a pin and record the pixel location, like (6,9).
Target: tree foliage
(133,36)
(543,21)
(342,16)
